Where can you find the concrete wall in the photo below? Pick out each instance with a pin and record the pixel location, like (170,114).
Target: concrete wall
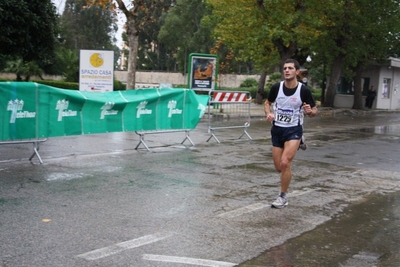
(155,78)
(12,76)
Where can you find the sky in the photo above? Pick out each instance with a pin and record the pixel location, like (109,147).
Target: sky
(59,5)
(121,19)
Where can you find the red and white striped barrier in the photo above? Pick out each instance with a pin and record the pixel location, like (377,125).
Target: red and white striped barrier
(228,110)
(230,97)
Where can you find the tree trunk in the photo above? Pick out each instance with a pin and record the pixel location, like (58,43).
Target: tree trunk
(261,86)
(133,38)
(285,52)
(358,102)
(323,85)
(333,81)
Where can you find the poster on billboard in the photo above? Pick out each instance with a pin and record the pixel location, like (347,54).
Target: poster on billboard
(202,72)
(96,70)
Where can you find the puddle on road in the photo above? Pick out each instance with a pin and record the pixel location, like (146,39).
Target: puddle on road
(365,234)
(251,166)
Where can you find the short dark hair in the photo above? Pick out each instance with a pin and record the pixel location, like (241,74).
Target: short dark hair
(294,61)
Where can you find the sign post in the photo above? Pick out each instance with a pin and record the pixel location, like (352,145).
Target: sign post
(202,72)
(96,71)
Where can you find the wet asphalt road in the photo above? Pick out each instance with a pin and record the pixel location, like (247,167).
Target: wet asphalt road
(96,201)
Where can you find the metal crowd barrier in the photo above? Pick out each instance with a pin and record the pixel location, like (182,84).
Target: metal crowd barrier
(36,146)
(142,134)
(229,110)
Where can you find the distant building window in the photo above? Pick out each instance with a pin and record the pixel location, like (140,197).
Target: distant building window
(386,88)
(346,87)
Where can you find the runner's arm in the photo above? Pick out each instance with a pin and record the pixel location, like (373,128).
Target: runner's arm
(268,103)
(309,105)
(270,116)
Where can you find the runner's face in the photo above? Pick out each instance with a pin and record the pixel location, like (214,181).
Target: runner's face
(289,71)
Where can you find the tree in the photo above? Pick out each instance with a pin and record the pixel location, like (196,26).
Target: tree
(183,33)
(343,36)
(152,54)
(266,32)
(70,62)
(21,68)
(137,17)
(349,39)
(28,30)
(84,27)
(372,41)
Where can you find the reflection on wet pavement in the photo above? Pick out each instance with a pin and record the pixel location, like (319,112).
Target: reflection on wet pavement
(365,234)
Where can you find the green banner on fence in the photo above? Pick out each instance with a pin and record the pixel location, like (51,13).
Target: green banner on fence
(30,110)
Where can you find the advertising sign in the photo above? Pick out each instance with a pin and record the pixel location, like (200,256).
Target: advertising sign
(96,71)
(202,72)
(31,110)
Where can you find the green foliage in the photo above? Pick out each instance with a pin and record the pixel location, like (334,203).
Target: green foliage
(152,54)
(249,82)
(87,27)
(28,30)
(349,41)
(317,93)
(70,64)
(3,61)
(183,34)
(21,68)
(118,86)
(273,78)
(262,31)
(59,84)
(253,91)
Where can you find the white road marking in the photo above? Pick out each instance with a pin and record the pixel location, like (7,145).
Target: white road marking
(241,211)
(192,261)
(117,248)
(297,193)
(257,206)
(134,243)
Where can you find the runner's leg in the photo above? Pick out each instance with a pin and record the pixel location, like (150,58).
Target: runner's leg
(288,153)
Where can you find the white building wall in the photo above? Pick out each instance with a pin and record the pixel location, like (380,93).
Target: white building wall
(377,74)
(394,101)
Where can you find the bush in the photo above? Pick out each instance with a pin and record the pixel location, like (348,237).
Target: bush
(59,84)
(317,93)
(249,82)
(75,86)
(273,78)
(119,86)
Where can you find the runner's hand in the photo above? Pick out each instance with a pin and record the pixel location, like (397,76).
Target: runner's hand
(307,108)
(270,117)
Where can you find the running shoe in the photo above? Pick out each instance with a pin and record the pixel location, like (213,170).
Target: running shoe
(280,203)
(303,145)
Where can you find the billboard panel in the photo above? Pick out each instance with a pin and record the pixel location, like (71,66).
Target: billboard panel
(96,71)
(202,72)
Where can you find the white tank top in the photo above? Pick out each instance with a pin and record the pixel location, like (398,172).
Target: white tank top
(288,109)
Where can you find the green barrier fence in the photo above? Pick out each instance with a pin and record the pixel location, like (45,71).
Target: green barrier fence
(32,111)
